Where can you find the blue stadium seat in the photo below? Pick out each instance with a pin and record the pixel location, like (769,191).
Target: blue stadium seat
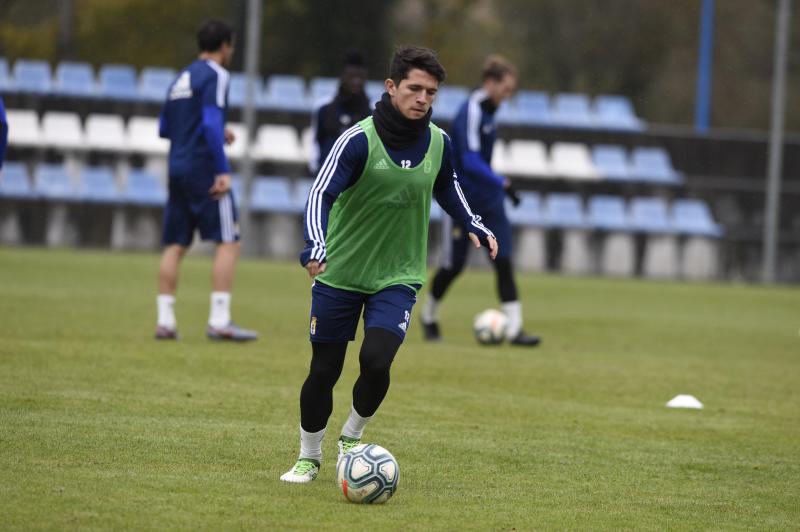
(32,76)
(693,217)
(448,100)
(375,90)
(649,215)
(5,79)
(607,213)
(237,87)
(533,108)
(564,210)
(437,213)
(143,188)
(616,112)
(529,210)
(98,185)
(654,164)
(285,93)
(320,88)
(237,187)
(611,162)
(272,194)
(572,110)
(53,182)
(507,113)
(154,83)
(15,182)
(75,79)
(118,82)
(300,193)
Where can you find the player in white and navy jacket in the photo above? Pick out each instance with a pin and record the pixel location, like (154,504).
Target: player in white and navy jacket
(473,133)
(200,196)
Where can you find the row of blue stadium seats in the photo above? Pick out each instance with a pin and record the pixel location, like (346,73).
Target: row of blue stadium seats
(290,93)
(573,160)
(651,164)
(95,185)
(613,213)
(279,194)
(98,184)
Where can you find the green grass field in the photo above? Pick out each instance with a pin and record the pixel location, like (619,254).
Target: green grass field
(102,427)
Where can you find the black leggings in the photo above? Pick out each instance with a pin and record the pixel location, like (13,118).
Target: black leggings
(506,287)
(316,397)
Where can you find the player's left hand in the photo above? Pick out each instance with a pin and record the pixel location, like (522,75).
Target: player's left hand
(222,185)
(229,136)
(493,247)
(315,268)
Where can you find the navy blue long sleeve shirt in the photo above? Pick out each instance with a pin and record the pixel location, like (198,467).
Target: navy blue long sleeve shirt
(193,119)
(3,132)
(474,132)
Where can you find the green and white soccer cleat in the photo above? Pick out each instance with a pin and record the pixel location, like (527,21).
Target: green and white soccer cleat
(305,470)
(345,445)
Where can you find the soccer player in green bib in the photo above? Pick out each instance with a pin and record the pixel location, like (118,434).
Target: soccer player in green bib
(366,233)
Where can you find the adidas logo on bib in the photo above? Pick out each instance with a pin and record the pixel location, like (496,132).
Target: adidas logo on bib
(381,165)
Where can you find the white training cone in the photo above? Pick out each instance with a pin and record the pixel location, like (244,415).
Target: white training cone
(684,401)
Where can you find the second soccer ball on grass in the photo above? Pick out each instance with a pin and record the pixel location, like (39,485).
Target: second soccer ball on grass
(490,327)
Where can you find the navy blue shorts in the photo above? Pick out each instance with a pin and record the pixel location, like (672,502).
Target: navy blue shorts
(459,245)
(190,207)
(335,312)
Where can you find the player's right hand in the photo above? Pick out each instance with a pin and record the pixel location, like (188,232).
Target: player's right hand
(221,186)
(230,136)
(315,268)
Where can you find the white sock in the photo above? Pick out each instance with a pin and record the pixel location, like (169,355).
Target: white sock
(513,310)
(220,314)
(166,310)
(354,427)
(430,310)
(311,444)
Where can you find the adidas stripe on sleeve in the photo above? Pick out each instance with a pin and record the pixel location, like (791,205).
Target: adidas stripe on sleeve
(450,197)
(341,168)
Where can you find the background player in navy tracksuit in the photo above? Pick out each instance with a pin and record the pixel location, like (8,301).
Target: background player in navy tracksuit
(335,114)
(200,196)
(3,132)
(473,134)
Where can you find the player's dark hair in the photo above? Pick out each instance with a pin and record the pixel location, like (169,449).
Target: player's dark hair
(497,67)
(354,58)
(407,58)
(212,34)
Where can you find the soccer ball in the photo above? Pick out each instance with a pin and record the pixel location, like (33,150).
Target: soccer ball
(490,327)
(368,474)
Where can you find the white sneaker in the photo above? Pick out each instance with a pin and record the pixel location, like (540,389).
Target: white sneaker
(305,470)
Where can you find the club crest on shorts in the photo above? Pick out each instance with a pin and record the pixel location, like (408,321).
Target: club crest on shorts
(313,327)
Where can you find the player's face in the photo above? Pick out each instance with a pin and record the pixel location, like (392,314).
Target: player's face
(353,79)
(227,53)
(501,90)
(414,95)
